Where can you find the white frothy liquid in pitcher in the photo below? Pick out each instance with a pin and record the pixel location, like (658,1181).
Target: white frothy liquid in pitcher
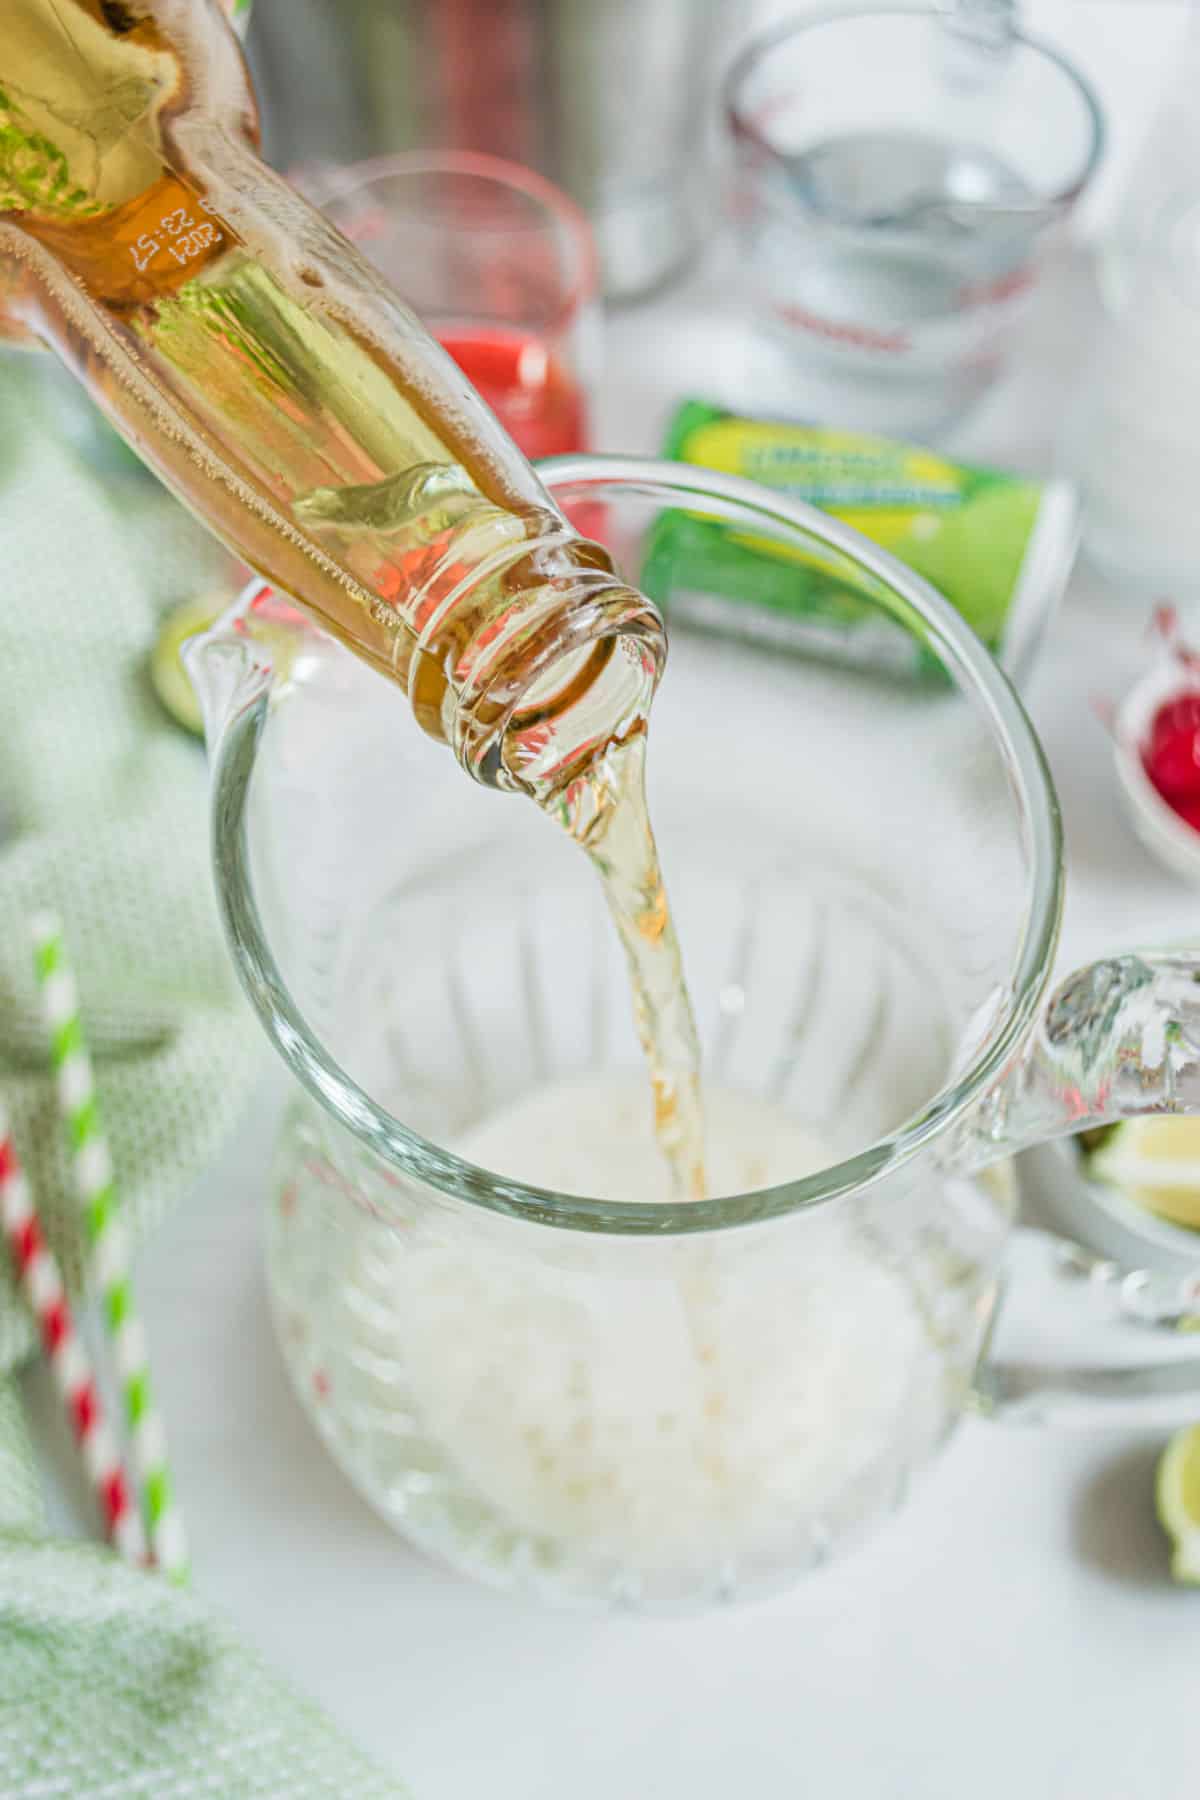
(595,1135)
(671,1403)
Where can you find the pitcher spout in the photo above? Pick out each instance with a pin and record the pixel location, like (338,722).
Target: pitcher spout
(251,647)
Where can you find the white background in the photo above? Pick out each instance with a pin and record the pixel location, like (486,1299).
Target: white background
(1012,1632)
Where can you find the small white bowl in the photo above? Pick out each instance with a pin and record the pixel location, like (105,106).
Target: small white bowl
(1162,831)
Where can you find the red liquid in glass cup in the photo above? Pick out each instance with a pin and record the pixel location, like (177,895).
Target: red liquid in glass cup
(540,406)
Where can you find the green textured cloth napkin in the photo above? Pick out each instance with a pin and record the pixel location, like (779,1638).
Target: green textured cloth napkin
(103,818)
(113,1683)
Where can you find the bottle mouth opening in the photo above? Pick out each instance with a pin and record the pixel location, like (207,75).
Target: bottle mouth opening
(552,705)
(562,686)
(548,742)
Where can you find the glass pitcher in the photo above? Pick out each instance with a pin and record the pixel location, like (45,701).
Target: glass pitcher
(608,1399)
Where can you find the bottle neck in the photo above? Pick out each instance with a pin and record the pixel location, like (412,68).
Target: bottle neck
(273,380)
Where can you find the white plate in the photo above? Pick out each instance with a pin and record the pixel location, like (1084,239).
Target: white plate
(1055,1192)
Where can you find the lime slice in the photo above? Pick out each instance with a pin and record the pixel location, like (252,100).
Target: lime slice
(1178,1496)
(1156,1162)
(171,681)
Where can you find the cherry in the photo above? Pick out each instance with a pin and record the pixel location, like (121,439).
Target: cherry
(1171,755)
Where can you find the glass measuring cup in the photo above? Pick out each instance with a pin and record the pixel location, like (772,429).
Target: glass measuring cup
(896,173)
(614,1400)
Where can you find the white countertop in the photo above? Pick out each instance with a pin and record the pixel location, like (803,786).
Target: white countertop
(1012,1632)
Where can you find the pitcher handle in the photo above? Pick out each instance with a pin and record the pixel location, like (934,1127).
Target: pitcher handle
(1037,1393)
(1118,1039)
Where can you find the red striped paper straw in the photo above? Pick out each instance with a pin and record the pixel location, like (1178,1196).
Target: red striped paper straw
(91,1166)
(40,1276)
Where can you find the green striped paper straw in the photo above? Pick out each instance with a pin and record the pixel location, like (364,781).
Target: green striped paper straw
(93,1172)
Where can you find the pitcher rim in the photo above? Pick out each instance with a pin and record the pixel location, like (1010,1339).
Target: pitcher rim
(415,1157)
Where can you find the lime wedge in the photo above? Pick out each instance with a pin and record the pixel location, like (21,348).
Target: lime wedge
(167,673)
(1156,1162)
(1178,1496)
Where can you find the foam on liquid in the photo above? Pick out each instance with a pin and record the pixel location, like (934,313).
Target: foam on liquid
(594,1135)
